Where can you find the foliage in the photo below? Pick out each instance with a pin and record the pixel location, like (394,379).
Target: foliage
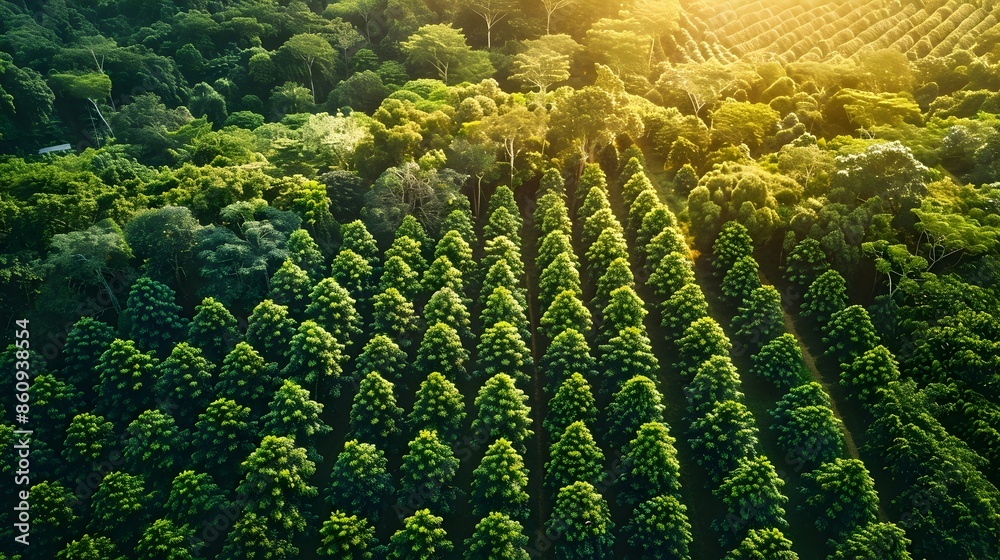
(680,310)
(154,444)
(824,297)
(637,402)
(127,381)
(660,528)
(393,317)
(245,377)
(503,411)
(843,495)
(573,402)
(152,319)
(805,263)
(763,543)
(741,280)
(565,312)
(732,244)
(315,356)
(574,457)
(753,499)
(500,483)
(584,521)
(626,355)
(759,319)
(886,540)
(849,334)
(427,472)
(421,537)
(497,536)
(780,362)
(383,355)
(652,467)
(567,353)
(347,537)
(375,418)
(438,407)
(868,373)
(724,436)
(213,329)
(360,482)
(277,493)
(185,380)
(441,351)
(501,350)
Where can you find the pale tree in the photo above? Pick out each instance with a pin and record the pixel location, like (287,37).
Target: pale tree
(444,48)
(551,7)
(702,84)
(545,62)
(515,130)
(492,12)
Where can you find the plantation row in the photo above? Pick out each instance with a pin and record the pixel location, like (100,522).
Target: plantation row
(792,31)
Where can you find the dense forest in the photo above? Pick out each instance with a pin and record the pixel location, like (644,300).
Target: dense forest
(500,279)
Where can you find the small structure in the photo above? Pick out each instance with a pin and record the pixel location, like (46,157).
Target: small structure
(59,148)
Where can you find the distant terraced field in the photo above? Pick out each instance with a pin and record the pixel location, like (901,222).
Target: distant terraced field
(790,30)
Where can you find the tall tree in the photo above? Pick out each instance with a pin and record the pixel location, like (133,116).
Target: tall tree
(427,473)
(277,493)
(501,350)
(503,411)
(841,493)
(375,418)
(444,49)
(568,353)
(152,319)
(492,12)
(753,499)
(574,457)
(584,520)
(246,378)
(660,528)
(127,381)
(441,351)
(573,402)
(360,481)
(315,356)
(185,380)
(439,407)
(294,415)
(421,537)
(346,537)
(223,436)
(213,329)
(312,51)
(653,469)
(497,536)
(154,445)
(500,483)
(270,330)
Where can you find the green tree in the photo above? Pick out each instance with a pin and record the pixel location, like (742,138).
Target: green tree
(120,505)
(503,411)
(85,343)
(497,536)
(360,481)
(660,528)
(502,248)
(625,309)
(500,273)
(500,483)
(441,274)
(270,330)
(375,418)
(735,123)
(346,537)
(193,497)
(503,306)
(213,329)
(427,472)
(185,380)
(753,499)
(446,306)
(673,272)
(305,253)
(90,548)
(686,306)
(293,415)
(393,316)
(573,402)
(559,276)
(89,438)
(291,286)
(397,274)
(565,312)
(277,493)
(459,221)
(596,223)
(805,263)
(583,519)
(732,244)
(769,544)
(610,245)
(502,350)
(636,403)
(502,222)
(722,437)
(553,245)
(408,249)
(251,537)
(441,350)
(626,355)
(575,457)
(315,356)
(868,374)
(652,466)
(665,242)
(332,307)
(127,381)
(152,319)
(759,319)
(874,540)
(825,296)
(164,239)
(552,214)
(353,272)
(780,362)
(383,355)
(701,340)
(715,381)
(618,275)
(645,202)
(809,432)
(568,353)
(356,237)
(246,378)
(849,334)
(439,407)
(411,227)
(420,538)
(443,48)
(165,540)
(223,435)
(841,494)
(740,281)
(154,444)
(457,249)
(312,52)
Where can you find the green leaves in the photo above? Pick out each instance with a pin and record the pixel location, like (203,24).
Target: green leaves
(375,418)
(360,482)
(346,537)
(574,457)
(583,519)
(503,411)
(660,528)
(841,495)
(427,473)
(500,483)
(421,537)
